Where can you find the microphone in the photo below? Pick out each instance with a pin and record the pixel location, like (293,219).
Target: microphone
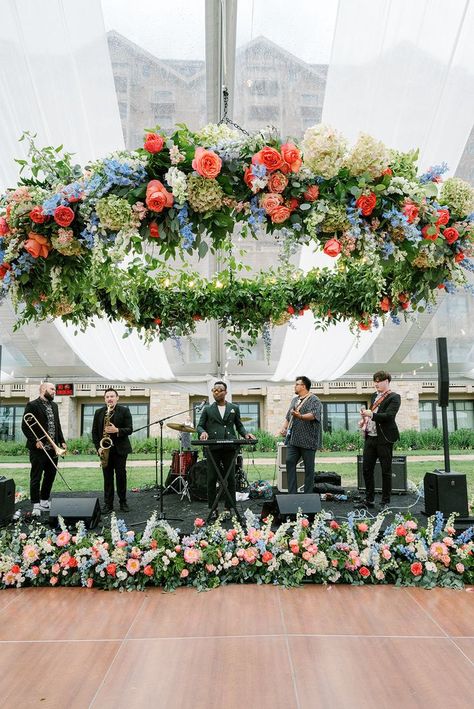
(201,404)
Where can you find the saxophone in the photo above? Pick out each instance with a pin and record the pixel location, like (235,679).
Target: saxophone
(106,441)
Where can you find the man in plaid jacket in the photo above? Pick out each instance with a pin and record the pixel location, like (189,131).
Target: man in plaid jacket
(303,434)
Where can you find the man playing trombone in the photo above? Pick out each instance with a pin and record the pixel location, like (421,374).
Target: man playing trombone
(45,441)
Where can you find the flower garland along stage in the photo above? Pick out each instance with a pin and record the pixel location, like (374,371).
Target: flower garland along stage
(78,243)
(357,552)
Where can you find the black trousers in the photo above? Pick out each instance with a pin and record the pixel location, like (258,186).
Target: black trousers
(375,449)
(116,468)
(42,474)
(223,459)
(293,455)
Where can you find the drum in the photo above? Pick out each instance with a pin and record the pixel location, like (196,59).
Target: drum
(181,463)
(197,479)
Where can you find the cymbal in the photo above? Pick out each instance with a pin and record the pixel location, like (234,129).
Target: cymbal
(183,427)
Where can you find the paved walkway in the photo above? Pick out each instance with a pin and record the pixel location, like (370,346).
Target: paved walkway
(326,460)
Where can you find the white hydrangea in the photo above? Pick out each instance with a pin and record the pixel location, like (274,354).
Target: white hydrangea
(324,150)
(213,133)
(367,155)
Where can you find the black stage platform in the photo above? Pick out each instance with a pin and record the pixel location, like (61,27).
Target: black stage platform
(181,513)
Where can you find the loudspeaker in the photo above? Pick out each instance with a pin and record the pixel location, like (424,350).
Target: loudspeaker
(288,505)
(73,509)
(443,371)
(281,457)
(399,475)
(446,492)
(7,500)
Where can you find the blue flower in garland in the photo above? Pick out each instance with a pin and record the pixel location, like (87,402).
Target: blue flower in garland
(189,237)
(57,200)
(123,174)
(434,173)
(257,214)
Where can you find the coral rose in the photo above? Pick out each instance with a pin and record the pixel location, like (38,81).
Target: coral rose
(385,304)
(38,216)
(4,268)
(364,572)
(249,178)
(292,156)
(366,203)
(157,196)
(206,163)
(63,216)
(4,229)
(332,247)
(460,257)
(154,231)
(443,217)
(111,569)
(312,193)
(37,245)
(277,182)
(430,232)
(451,234)
(270,201)
(269,157)
(411,211)
(365,326)
(416,568)
(280,215)
(153,143)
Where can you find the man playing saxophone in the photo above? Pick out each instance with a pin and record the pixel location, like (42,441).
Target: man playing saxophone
(44,439)
(111,428)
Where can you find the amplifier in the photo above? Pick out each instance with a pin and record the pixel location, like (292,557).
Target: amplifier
(399,475)
(282,478)
(281,457)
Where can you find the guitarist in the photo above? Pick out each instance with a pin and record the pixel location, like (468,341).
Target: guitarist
(381,432)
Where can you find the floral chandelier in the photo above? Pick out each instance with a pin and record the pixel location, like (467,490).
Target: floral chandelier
(79,243)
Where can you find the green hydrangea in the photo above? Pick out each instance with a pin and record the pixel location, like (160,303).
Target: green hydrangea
(335,219)
(367,155)
(204,195)
(114,213)
(458,195)
(404,164)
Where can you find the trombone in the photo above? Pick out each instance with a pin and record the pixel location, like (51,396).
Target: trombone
(32,423)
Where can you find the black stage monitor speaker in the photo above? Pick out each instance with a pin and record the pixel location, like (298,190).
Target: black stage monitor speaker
(446,492)
(443,371)
(288,505)
(7,500)
(73,509)
(399,475)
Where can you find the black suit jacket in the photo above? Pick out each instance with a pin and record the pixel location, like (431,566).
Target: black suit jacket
(212,422)
(36,408)
(384,417)
(122,418)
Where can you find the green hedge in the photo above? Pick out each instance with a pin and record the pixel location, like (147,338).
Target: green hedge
(432,439)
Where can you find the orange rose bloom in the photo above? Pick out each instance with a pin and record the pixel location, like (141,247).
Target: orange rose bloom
(269,202)
(332,247)
(153,143)
(157,196)
(269,157)
(280,215)
(277,182)
(38,216)
(63,216)
(451,234)
(312,193)
(366,203)
(249,178)
(4,268)
(37,245)
(292,156)
(206,163)
(154,231)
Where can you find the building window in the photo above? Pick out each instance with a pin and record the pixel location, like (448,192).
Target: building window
(263,87)
(10,423)
(342,415)
(250,410)
(460,415)
(140,416)
(263,113)
(121,84)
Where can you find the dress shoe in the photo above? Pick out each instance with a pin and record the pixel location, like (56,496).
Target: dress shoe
(124,507)
(106,509)
(45,505)
(365,505)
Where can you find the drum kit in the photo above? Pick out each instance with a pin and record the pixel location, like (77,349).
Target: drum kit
(181,477)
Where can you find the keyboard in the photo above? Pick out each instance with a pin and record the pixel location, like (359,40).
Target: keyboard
(225,442)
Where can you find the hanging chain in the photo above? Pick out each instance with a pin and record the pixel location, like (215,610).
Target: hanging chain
(225,118)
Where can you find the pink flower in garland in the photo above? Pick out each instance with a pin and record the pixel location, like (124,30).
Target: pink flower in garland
(416,568)
(207,163)
(153,143)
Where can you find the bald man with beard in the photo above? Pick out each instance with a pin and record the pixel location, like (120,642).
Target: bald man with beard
(43,459)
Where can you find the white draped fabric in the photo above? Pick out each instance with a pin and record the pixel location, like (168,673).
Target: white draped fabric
(384,79)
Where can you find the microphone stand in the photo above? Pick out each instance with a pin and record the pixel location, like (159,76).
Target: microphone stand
(161,514)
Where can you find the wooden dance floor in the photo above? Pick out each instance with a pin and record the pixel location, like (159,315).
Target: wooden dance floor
(237,647)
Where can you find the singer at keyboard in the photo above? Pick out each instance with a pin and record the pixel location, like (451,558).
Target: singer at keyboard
(221,421)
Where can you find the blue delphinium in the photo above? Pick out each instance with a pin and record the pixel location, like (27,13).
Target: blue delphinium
(434,173)
(189,237)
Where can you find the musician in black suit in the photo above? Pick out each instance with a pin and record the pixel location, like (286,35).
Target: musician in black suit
(381,432)
(221,420)
(118,427)
(43,456)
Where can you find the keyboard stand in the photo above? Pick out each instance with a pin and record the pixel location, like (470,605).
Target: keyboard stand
(223,487)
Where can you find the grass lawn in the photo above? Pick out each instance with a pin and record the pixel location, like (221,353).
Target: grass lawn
(84,479)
